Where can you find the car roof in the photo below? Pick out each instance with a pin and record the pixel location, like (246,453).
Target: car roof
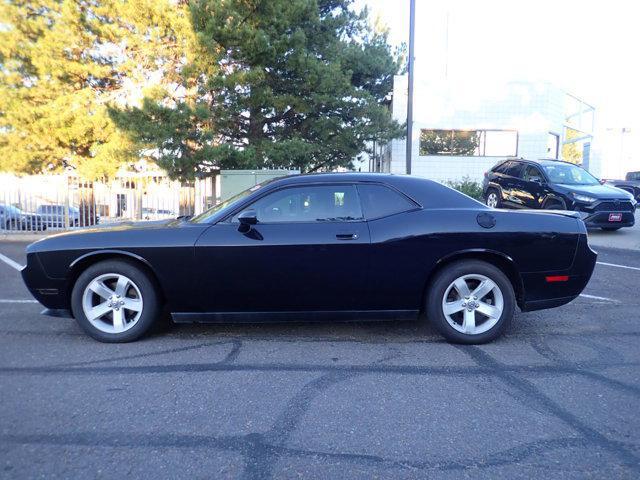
(421,190)
(338,177)
(541,161)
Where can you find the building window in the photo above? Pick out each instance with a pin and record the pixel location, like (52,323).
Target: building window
(469,143)
(553,145)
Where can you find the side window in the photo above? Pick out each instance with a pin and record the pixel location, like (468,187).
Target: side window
(380,201)
(513,169)
(531,173)
(320,203)
(500,168)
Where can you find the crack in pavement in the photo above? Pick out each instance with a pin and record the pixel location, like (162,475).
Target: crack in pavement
(535,396)
(265,451)
(251,443)
(455,371)
(187,348)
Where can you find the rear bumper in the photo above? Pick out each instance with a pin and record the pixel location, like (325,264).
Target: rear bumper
(543,304)
(540,293)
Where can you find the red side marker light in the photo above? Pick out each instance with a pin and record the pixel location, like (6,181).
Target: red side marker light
(557,278)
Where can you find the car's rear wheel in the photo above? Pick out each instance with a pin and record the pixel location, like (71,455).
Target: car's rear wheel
(493,198)
(115,301)
(470,302)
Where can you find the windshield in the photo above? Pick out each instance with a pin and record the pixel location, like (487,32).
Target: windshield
(569,175)
(207,214)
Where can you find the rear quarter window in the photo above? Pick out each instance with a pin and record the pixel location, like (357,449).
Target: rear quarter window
(500,168)
(513,169)
(380,201)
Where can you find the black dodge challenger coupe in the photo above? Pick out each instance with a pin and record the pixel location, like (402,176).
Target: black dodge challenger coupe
(336,246)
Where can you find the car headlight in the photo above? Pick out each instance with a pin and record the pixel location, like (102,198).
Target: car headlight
(583,198)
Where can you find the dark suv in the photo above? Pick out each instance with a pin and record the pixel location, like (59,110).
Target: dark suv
(557,185)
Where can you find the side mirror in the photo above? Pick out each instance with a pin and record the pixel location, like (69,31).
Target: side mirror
(247,219)
(537,180)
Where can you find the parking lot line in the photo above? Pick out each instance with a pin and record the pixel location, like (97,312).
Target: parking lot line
(11,263)
(17,301)
(619,266)
(595,297)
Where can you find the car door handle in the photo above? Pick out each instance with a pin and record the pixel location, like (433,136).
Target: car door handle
(346,236)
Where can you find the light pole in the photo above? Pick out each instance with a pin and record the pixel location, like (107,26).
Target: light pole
(409,142)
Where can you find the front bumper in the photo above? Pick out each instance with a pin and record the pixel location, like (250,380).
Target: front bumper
(51,292)
(601,219)
(598,215)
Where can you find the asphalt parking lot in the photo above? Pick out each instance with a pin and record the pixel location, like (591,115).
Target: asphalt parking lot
(558,396)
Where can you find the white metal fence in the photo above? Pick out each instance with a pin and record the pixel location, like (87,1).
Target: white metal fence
(60,202)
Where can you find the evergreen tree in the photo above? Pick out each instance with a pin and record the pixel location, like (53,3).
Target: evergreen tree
(63,61)
(278,83)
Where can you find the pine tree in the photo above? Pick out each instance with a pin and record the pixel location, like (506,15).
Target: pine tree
(278,83)
(62,62)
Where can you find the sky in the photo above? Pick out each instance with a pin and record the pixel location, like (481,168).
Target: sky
(588,48)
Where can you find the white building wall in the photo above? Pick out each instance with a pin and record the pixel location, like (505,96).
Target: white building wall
(532,109)
(460,86)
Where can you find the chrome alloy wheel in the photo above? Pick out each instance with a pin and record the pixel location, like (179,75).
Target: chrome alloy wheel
(112,303)
(472,304)
(492,200)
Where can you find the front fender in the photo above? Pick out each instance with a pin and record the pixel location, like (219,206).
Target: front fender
(90,257)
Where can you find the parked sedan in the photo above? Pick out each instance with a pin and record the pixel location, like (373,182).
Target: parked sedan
(329,247)
(13,218)
(53,216)
(556,185)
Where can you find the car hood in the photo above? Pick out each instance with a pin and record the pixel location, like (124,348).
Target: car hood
(105,235)
(601,192)
(124,226)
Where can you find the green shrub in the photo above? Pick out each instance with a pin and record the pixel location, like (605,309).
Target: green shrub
(468,187)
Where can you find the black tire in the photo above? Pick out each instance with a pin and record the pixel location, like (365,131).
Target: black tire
(493,191)
(611,229)
(439,286)
(151,310)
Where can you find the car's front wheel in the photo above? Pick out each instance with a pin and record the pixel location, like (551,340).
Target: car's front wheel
(470,302)
(115,301)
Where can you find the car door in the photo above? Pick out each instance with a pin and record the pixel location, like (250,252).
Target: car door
(533,187)
(511,183)
(308,251)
